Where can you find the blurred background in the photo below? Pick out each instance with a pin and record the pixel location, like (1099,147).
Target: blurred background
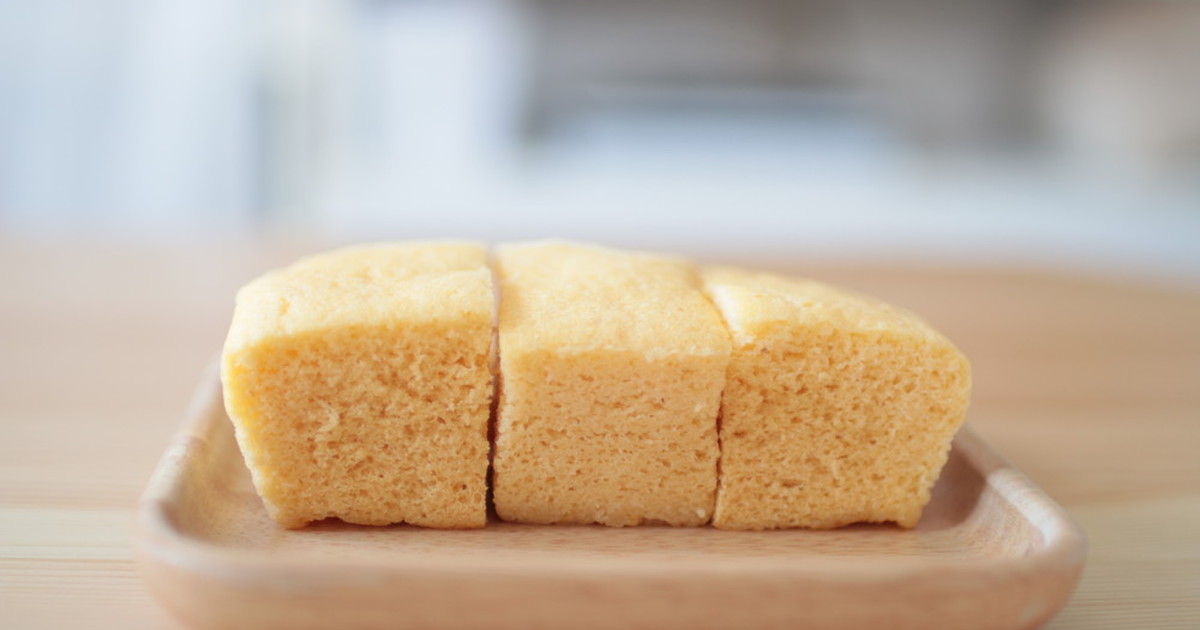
(1039,132)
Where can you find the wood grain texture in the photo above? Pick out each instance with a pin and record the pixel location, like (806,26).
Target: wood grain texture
(992,551)
(1086,384)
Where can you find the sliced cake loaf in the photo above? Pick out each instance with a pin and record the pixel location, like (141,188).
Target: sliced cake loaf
(359,386)
(612,366)
(838,409)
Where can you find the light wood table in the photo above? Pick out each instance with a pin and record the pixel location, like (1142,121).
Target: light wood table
(1090,386)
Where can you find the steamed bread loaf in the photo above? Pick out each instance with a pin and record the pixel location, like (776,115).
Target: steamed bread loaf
(631,389)
(837,409)
(612,366)
(359,386)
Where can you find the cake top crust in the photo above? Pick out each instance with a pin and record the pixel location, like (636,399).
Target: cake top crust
(758,304)
(574,299)
(423,283)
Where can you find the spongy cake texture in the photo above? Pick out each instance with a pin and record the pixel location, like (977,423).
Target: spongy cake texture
(613,365)
(359,386)
(838,409)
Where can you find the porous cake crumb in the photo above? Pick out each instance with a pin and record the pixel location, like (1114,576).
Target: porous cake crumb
(359,386)
(837,409)
(612,366)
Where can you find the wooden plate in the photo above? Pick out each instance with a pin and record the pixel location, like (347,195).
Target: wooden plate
(992,551)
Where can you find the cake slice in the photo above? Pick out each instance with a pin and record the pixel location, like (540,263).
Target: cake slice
(838,409)
(359,386)
(612,366)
